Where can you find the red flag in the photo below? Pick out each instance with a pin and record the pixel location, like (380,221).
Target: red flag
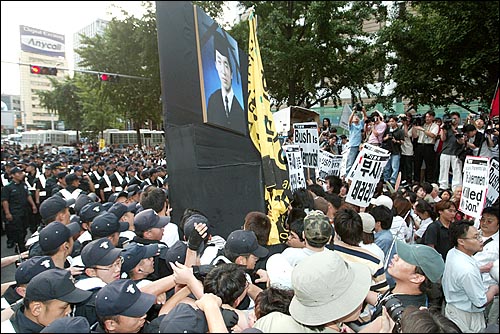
(494,104)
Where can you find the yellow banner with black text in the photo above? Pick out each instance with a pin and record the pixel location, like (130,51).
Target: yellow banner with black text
(265,138)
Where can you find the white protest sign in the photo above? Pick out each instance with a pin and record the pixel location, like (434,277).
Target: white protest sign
(344,119)
(371,149)
(366,177)
(492,194)
(343,164)
(328,164)
(306,136)
(475,186)
(295,168)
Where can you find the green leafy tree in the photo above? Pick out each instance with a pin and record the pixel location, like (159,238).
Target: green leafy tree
(128,48)
(444,52)
(312,50)
(64,100)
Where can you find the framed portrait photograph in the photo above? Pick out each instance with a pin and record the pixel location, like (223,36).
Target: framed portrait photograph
(220,75)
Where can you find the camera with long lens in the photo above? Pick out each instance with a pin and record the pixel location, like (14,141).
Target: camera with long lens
(447,121)
(492,125)
(395,308)
(201,271)
(417,120)
(359,107)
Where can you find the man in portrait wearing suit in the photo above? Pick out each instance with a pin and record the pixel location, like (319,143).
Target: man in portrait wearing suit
(223,107)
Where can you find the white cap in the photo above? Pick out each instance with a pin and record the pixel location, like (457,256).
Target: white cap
(382,200)
(368,222)
(279,271)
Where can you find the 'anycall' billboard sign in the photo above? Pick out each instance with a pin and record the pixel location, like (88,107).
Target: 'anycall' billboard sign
(42,42)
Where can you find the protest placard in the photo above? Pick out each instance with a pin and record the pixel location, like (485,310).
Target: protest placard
(295,168)
(366,176)
(329,164)
(343,163)
(367,148)
(306,136)
(475,186)
(492,194)
(344,119)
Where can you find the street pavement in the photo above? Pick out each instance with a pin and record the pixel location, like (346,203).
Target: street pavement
(9,271)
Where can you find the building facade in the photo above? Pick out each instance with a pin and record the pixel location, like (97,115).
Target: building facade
(95,28)
(45,49)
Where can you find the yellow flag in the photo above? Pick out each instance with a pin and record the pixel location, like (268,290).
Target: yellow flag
(265,138)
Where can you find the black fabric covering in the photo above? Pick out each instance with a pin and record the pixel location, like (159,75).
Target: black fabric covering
(210,169)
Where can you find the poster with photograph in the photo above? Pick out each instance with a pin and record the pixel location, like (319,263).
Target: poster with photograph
(220,75)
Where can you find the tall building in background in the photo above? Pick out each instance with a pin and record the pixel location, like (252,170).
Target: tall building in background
(95,28)
(45,49)
(11,114)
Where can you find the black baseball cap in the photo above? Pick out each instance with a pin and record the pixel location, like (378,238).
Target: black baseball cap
(119,209)
(123,297)
(194,219)
(135,252)
(76,324)
(91,210)
(245,242)
(148,219)
(16,170)
(71,177)
(183,318)
(54,204)
(176,252)
(62,175)
(106,224)
(81,201)
(55,284)
(55,234)
(133,189)
(100,252)
(32,267)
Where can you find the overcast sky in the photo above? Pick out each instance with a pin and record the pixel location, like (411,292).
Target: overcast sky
(60,17)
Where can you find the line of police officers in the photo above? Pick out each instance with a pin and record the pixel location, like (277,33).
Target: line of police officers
(27,182)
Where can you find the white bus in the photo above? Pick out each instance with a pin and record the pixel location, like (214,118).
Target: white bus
(129,137)
(45,137)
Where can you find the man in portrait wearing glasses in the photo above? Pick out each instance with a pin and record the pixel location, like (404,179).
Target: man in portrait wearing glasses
(489,232)
(463,287)
(103,263)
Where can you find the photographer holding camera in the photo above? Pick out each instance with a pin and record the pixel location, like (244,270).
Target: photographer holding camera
(453,142)
(406,165)
(416,269)
(393,138)
(356,126)
(424,151)
(378,128)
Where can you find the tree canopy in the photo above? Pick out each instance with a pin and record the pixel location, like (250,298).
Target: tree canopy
(436,53)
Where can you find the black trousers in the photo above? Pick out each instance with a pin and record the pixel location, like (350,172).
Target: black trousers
(16,231)
(425,152)
(406,168)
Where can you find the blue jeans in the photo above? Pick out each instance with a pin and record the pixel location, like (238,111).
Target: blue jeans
(391,169)
(353,153)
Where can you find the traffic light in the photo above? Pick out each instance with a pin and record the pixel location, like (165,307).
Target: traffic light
(108,77)
(35,69)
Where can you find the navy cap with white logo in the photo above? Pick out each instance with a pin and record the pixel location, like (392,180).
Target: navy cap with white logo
(148,219)
(32,267)
(123,297)
(100,252)
(106,224)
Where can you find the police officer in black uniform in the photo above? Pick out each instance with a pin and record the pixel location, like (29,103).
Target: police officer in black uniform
(16,200)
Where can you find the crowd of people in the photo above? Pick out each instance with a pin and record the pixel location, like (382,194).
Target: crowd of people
(98,250)
(422,147)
